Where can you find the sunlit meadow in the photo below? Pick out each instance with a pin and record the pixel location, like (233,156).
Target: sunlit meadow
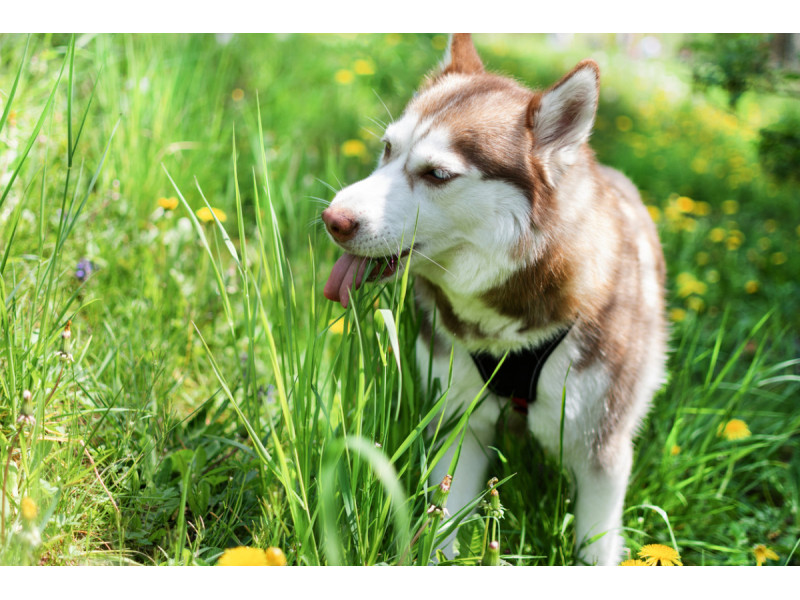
(175,390)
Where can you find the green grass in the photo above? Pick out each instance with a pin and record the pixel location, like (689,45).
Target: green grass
(215,399)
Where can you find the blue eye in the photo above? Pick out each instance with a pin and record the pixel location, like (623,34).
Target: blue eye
(438,175)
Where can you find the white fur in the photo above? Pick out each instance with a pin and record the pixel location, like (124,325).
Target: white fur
(468,227)
(580,90)
(466,235)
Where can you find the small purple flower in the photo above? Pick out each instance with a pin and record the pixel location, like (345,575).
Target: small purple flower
(84,269)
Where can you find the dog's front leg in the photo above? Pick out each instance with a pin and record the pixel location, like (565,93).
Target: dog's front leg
(469,479)
(598,508)
(470,476)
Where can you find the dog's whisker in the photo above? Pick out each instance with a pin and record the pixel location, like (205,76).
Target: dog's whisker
(377,122)
(388,112)
(372,133)
(329,186)
(429,259)
(399,253)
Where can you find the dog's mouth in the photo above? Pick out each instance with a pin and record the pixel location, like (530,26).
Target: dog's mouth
(349,273)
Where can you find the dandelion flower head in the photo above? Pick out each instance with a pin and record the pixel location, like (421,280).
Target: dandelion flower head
(632,562)
(354,148)
(660,555)
(763,553)
(735,429)
(275,557)
(207,215)
(243,556)
(170,203)
(28,508)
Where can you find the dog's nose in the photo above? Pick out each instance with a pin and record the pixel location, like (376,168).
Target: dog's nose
(341,224)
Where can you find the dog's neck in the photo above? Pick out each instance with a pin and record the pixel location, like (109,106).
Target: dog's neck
(525,309)
(537,288)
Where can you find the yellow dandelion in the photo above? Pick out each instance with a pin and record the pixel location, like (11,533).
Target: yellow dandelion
(687,224)
(392,39)
(170,203)
(275,557)
(354,148)
(735,429)
(28,508)
(701,209)
(672,213)
(632,562)
(685,204)
(237,94)
(624,123)
(655,213)
(734,240)
(658,555)
(206,215)
(688,285)
(751,287)
(733,243)
(778,258)
(696,304)
(675,450)
(730,207)
(763,553)
(677,314)
(344,76)
(717,234)
(337,327)
(712,276)
(699,165)
(439,42)
(363,67)
(702,258)
(243,556)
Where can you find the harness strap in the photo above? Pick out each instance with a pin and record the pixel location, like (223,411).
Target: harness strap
(518,378)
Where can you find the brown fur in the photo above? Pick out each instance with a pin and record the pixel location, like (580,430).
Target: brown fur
(574,250)
(544,291)
(464,57)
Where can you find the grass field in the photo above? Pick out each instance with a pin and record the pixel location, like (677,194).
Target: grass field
(173,383)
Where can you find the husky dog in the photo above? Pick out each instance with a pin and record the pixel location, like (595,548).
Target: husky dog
(526,248)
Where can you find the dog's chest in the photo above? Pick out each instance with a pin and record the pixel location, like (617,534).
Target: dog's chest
(470,322)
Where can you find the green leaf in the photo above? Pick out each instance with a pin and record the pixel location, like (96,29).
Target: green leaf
(469,539)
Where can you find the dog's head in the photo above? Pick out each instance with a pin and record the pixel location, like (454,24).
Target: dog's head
(465,176)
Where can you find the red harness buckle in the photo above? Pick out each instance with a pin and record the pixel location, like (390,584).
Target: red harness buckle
(519,404)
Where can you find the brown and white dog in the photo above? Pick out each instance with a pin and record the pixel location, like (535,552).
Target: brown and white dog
(521,240)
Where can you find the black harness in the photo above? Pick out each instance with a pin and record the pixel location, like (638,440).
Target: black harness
(518,378)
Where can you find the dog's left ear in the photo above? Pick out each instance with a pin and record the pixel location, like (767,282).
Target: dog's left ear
(461,56)
(561,118)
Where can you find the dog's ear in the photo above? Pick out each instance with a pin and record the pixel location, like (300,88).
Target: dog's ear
(561,118)
(461,56)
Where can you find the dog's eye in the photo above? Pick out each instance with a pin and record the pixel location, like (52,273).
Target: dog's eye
(437,175)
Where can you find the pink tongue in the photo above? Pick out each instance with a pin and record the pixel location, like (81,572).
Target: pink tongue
(343,277)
